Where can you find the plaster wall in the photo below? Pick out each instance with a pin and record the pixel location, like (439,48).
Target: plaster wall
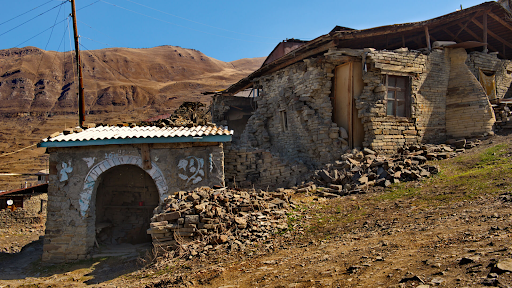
(70,228)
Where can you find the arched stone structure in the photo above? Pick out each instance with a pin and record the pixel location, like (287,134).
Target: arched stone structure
(98,169)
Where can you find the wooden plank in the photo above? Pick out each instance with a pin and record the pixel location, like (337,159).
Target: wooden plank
(427,37)
(501,21)
(301,57)
(485,33)
(146,158)
(492,34)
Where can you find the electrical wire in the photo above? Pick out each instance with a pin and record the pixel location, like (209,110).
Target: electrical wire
(199,22)
(41,32)
(48,42)
(182,25)
(10,153)
(25,12)
(115,69)
(100,31)
(63,2)
(94,40)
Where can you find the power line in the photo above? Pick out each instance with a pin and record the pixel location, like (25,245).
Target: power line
(199,22)
(45,47)
(115,70)
(94,40)
(33,18)
(42,32)
(25,12)
(181,25)
(99,31)
(6,154)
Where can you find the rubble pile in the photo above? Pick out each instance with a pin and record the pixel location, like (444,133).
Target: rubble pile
(189,114)
(358,170)
(206,218)
(503,116)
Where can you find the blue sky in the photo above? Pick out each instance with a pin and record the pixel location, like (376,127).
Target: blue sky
(223,29)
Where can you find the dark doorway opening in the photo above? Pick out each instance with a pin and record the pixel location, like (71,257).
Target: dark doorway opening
(125,199)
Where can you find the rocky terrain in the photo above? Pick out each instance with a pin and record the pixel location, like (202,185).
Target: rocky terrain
(448,230)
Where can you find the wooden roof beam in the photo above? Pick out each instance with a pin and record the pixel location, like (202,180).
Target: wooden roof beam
(492,34)
(501,21)
(481,40)
(467,22)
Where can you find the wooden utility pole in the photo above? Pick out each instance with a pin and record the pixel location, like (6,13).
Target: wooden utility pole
(81,101)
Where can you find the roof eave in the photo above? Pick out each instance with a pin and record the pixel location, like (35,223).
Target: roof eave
(121,141)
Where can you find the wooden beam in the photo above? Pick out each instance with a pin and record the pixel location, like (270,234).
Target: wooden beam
(303,56)
(501,21)
(464,27)
(403,40)
(427,37)
(480,39)
(146,159)
(492,34)
(485,33)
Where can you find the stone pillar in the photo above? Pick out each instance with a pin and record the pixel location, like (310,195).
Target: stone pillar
(468,110)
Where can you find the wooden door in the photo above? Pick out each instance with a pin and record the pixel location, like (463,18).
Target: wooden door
(348,83)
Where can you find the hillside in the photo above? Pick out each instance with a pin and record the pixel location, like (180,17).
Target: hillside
(115,79)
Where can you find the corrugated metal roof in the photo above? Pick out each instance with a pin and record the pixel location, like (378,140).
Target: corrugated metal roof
(105,135)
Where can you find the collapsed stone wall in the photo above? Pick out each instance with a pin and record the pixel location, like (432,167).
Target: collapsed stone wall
(501,68)
(36,204)
(20,217)
(294,116)
(293,119)
(250,167)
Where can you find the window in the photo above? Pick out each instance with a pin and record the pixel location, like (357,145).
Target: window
(284,120)
(398,96)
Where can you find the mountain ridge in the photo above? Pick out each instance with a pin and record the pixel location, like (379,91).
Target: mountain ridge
(36,81)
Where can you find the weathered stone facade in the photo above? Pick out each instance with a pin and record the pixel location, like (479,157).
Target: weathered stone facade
(294,118)
(77,172)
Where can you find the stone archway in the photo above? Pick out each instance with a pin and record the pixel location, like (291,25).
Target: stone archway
(125,199)
(101,167)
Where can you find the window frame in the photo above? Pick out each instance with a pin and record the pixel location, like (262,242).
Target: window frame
(407,97)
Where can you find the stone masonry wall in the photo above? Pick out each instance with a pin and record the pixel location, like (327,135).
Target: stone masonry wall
(36,204)
(293,119)
(428,81)
(70,228)
(468,110)
(491,63)
(249,167)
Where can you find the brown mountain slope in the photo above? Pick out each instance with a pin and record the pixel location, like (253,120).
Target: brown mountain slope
(116,79)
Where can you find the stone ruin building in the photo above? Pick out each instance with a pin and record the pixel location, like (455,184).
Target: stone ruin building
(382,88)
(105,182)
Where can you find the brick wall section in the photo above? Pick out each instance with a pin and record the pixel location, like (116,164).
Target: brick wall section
(249,167)
(300,93)
(20,217)
(491,63)
(428,80)
(468,110)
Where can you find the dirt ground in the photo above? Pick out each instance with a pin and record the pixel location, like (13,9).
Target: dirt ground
(453,230)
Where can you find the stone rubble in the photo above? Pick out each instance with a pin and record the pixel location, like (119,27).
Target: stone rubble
(195,222)
(358,170)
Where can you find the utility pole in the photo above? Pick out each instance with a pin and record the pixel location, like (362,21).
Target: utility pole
(81,101)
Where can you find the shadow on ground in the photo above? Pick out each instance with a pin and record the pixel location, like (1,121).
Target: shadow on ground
(107,263)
